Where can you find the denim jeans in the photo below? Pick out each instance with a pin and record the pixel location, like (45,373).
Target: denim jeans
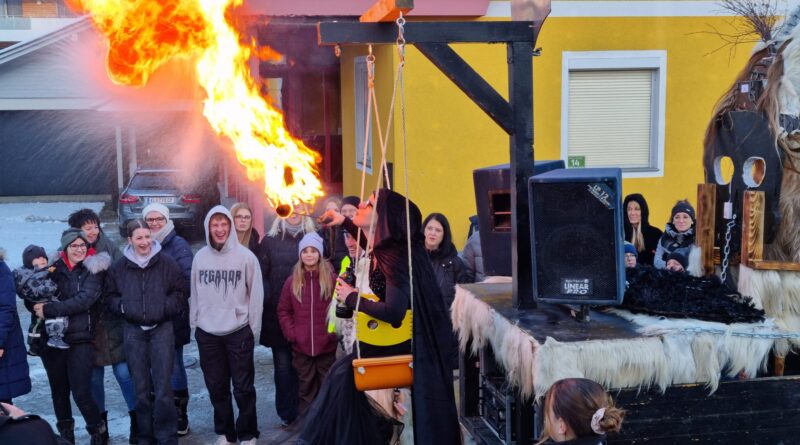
(179,379)
(225,360)
(124,380)
(149,355)
(70,371)
(287,391)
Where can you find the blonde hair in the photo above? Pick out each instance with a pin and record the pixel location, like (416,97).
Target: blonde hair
(637,238)
(244,237)
(325,279)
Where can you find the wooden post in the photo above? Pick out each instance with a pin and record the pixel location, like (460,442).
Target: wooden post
(706,222)
(752,227)
(386,10)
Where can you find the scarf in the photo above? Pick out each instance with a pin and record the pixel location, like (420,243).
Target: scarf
(161,234)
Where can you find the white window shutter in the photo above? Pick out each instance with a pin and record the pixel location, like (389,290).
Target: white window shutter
(611,117)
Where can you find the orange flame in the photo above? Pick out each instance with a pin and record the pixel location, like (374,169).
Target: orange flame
(144,34)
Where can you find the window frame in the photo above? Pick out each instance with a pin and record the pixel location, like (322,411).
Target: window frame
(655,60)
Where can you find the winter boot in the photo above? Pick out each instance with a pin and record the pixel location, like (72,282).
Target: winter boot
(133,439)
(97,434)
(104,416)
(55,328)
(182,405)
(66,429)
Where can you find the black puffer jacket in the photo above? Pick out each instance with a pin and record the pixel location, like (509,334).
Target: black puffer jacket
(179,250)
(108,333)
(147,296)
(80,289)
(278,256)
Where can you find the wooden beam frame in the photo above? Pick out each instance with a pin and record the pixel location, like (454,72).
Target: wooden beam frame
(753,235)
(706,222)
(514,116)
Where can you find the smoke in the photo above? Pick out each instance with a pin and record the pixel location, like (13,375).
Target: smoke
(162,122)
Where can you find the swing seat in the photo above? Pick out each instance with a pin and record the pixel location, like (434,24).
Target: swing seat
(396,371)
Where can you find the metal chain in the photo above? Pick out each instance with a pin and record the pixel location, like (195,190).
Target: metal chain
(726,251)
(401,38)
(740,334)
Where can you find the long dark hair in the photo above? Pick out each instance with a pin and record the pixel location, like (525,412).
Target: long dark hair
(446,248)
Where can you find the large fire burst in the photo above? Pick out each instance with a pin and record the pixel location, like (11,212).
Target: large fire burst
(144,34)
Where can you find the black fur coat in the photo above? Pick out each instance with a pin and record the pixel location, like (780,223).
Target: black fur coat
(680,295)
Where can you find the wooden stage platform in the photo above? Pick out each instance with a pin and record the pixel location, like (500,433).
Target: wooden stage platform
(762,410)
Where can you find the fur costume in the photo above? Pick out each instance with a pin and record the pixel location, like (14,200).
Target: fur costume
(680,295)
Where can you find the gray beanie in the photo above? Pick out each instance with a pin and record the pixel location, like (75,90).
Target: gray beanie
(70,235)
(310,240)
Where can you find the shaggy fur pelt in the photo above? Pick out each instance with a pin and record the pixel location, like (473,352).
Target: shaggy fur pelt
(680,295)
(669,351)
(778,292)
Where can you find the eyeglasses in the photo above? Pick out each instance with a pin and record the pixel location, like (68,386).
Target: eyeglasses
(77,246)
(243,217)
(154,220)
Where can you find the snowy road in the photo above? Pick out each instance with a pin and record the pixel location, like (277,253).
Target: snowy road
(42,223)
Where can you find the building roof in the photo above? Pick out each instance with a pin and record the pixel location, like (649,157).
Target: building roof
(20,49)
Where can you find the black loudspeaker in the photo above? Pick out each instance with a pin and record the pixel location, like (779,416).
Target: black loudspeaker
(493,201)
(576,236)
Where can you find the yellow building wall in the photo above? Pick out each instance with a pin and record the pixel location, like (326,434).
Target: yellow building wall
(448,135)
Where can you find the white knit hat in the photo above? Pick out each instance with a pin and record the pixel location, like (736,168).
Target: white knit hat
(155,207)
(310,240)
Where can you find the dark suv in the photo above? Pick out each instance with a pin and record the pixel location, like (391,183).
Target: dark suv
(187,204)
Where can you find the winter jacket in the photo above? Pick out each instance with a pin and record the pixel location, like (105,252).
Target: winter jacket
(278,256)
(226,285)
(148,295)
(650,234)
(179,250)
(255,243)
(103,244)
(34,286)
(28,429)
(449,271)
(673,241)
(108,333)
(473,258)
(303,322)
(14,377)
(80,289)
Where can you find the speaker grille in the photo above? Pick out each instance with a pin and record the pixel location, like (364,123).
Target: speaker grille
(575,240)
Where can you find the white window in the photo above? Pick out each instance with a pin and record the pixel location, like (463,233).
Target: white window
(361,91)
(612,110)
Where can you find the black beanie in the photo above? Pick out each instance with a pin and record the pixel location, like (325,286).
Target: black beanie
(352,200)
(31,253)
(679,258)
(682,207)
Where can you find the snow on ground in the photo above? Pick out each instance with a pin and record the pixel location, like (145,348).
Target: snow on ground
(39,223)
(22,224)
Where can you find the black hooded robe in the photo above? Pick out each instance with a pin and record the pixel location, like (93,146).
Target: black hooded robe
(343,415)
